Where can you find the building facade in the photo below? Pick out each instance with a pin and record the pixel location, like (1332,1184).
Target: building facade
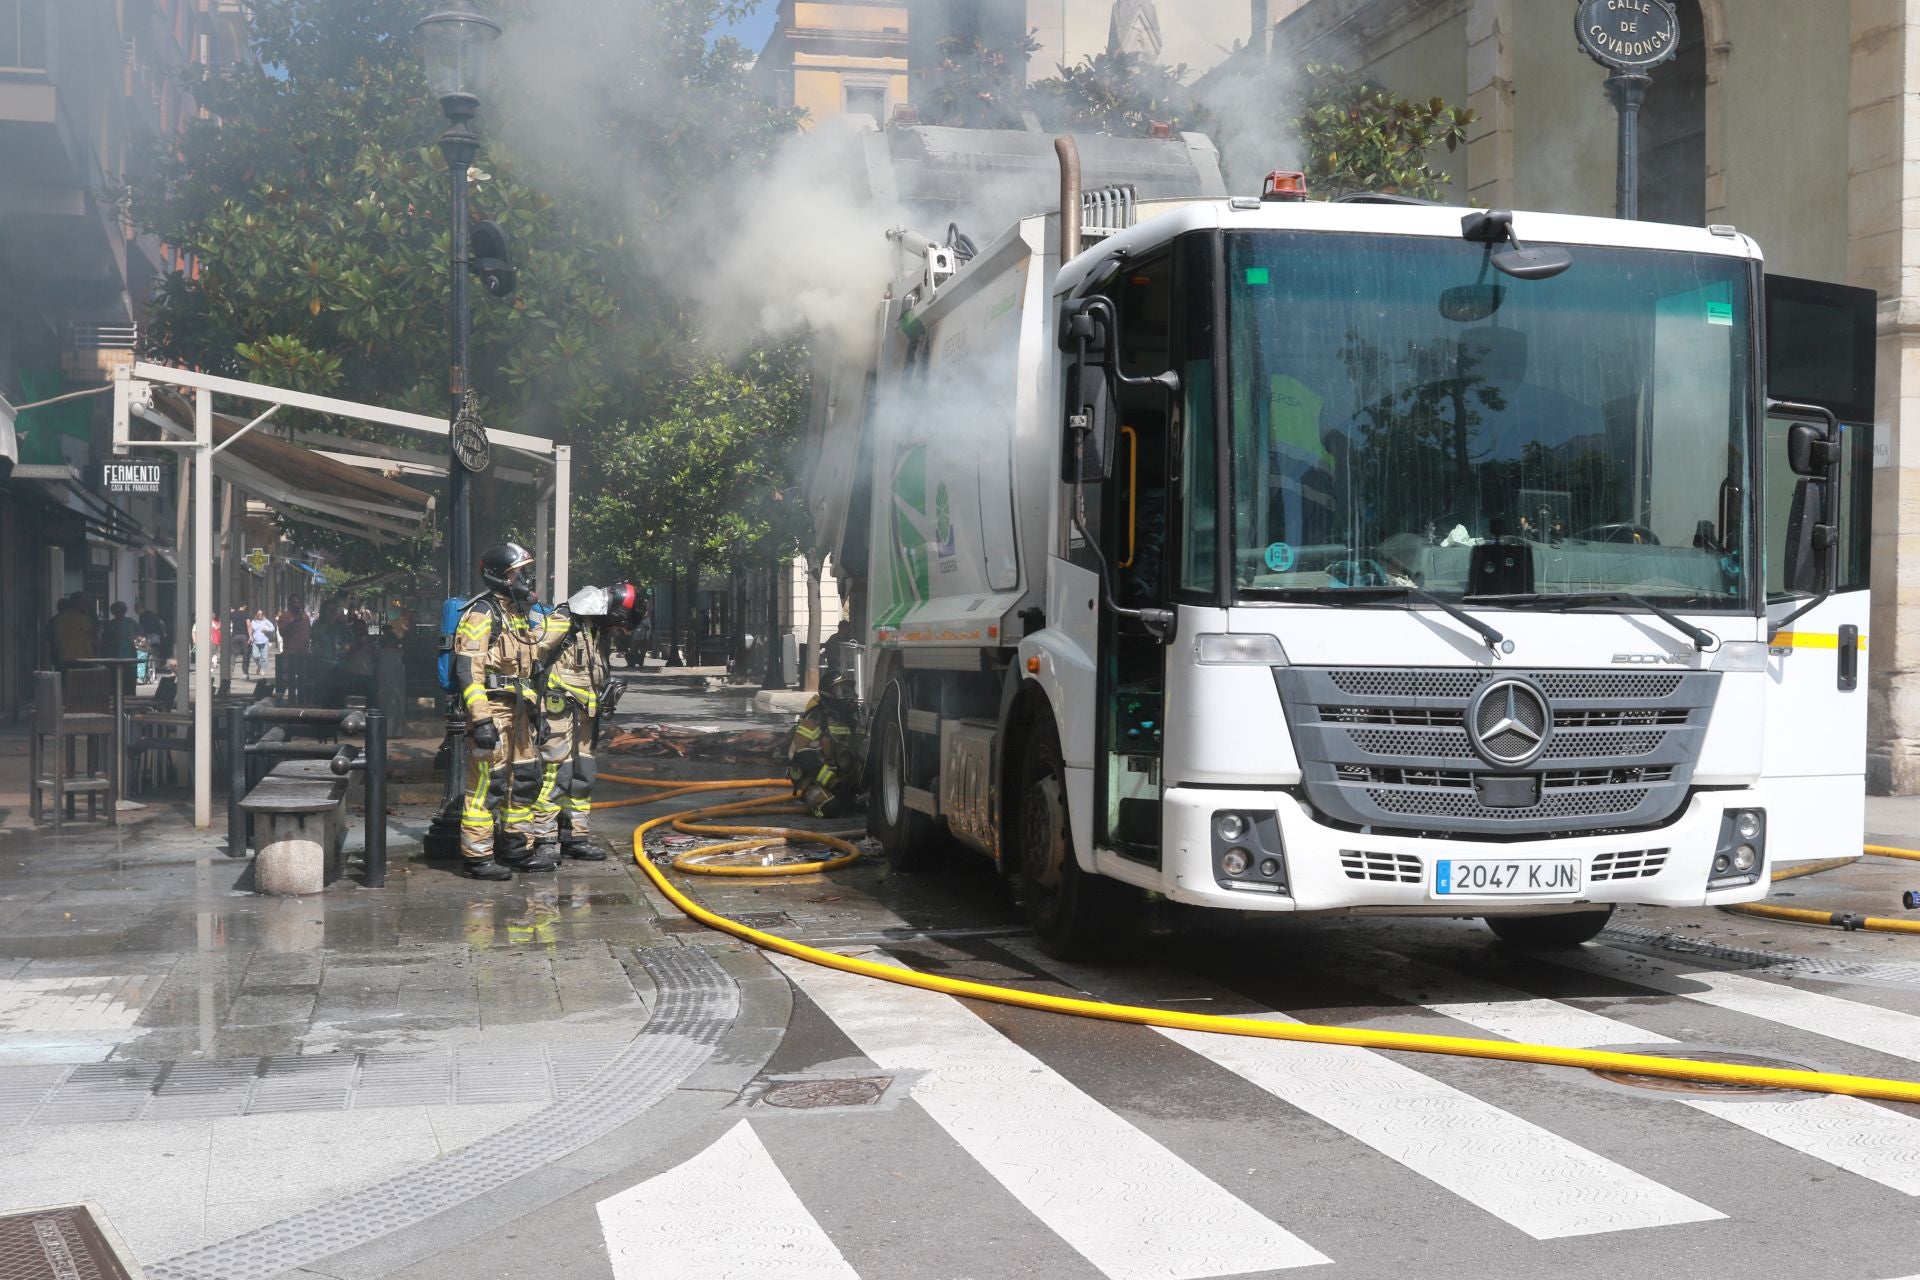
(90,93)
(859,57)
(847,57)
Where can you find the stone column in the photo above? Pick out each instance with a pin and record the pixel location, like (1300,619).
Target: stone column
(1490,95)
(1713,21)
(1883,254)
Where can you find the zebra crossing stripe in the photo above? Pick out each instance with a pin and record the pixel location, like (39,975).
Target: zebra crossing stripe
(1849,1021)
(1128,1205)
(727,1212)
(1848,1133)
(1531,1179)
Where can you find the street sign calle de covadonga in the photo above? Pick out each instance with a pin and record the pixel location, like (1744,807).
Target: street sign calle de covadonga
(1628,35)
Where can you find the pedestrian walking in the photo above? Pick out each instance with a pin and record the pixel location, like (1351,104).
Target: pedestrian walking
(259,637)
(294,627)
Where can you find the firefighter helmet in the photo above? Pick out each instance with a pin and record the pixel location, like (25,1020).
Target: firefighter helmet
(503,568)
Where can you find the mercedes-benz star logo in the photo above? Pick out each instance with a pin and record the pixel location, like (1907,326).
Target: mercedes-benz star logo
(1509,723)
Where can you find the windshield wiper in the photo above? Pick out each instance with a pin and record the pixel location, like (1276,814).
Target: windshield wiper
(1495,640)
(1702,640)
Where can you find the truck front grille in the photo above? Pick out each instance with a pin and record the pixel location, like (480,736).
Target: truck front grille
(1389,748)
(1627,864)
(1390,868)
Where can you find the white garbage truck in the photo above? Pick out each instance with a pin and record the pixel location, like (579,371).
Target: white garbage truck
(1364,557)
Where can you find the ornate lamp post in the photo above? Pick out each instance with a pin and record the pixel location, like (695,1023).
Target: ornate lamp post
(454,46)
(1629,38)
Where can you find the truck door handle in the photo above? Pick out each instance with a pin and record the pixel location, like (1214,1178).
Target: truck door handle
(1849,666)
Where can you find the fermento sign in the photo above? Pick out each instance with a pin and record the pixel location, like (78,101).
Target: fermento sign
(1628,35)
(130,477)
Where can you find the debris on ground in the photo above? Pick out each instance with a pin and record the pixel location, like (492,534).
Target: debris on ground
(728,746)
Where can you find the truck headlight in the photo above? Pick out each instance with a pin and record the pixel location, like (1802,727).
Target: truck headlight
(1741,855)
(1235,862)
(1230,827)
(1232,650)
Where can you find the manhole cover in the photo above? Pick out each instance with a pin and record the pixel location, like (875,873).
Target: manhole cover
(61,1243)
(804,1095)
(764,919)
(1665,1084)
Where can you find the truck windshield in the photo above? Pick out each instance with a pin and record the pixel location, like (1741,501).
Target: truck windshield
(1402,414)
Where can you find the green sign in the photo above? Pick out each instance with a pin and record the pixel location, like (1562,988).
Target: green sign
(257,559)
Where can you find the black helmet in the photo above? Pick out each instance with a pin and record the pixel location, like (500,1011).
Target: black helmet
(502,568)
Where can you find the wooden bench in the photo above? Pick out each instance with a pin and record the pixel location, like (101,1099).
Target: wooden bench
(304,804)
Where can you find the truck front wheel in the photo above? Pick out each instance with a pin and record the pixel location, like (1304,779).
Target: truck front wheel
(1569,929)
(1072,913)
(906,835)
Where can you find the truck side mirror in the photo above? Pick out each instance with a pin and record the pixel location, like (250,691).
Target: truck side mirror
(1809,452)
(1810,539)
(1813,536)
(1090,329)
(1087,444)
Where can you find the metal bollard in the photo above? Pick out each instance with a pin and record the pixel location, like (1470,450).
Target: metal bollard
(375,761)
(236,782)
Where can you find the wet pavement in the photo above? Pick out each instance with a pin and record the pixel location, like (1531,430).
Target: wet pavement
(376,1082)
(202,1059)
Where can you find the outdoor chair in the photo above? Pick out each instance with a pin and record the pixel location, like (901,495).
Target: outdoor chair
(67,707)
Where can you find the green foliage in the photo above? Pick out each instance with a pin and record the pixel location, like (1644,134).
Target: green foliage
(1119,93)
(315,202)
(711,478)
(1356,135)
(975,85)
(1362,138)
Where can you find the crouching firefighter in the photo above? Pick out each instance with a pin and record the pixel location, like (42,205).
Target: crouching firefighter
(827,752)
(498,648)
(578,689)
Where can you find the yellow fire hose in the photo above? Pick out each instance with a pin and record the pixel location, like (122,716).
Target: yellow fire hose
(1355,1037)
(694,861)
(1832,919)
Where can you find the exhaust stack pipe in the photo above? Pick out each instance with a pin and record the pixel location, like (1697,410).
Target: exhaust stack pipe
(1069,152)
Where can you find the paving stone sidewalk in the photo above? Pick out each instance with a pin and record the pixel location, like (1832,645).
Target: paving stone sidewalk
(204,1061)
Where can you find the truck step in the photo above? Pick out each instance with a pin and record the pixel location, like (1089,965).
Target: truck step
(924,801)
(923,722)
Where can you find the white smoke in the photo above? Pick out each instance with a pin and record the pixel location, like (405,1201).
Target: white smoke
(759,249)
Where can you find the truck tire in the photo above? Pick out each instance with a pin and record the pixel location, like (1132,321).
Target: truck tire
(1072,913)
(906,835)
(1569,929)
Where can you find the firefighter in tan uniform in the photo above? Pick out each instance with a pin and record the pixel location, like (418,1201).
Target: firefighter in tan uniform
(498,649)
(826,753)
(574,683)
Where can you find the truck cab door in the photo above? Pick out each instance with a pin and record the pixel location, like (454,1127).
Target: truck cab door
(1133,532)
(1820,351)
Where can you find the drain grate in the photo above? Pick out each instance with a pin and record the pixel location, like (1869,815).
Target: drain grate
(1710,1088)
(1907,975)
(765,919)
(806,1095)
(66,1242)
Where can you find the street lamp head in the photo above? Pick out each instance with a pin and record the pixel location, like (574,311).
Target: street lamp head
(454,45)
